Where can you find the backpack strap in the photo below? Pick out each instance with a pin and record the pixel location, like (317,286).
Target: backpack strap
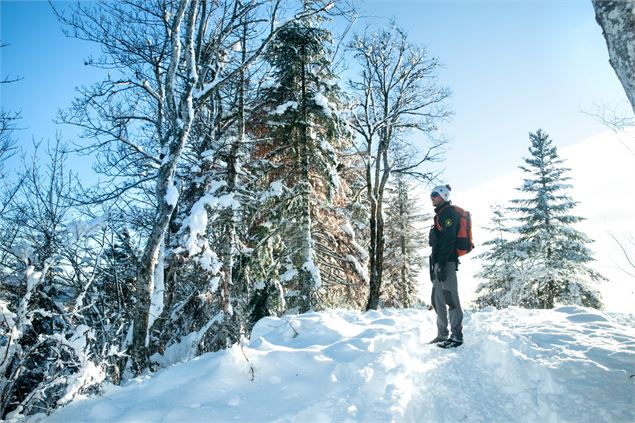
(437,225)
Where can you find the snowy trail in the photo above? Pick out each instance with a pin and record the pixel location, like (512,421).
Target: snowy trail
(547,367)
(565,365)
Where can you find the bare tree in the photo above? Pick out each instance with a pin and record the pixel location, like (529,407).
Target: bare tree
(398,95)
(613,117)
(8,148)
(42,280)
(627,246)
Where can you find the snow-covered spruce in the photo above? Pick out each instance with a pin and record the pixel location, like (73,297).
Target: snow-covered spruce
(300,152)
(544,260)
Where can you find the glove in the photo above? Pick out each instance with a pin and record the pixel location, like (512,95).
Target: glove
(441,275)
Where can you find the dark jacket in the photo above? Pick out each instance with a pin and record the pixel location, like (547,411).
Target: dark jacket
(443,234)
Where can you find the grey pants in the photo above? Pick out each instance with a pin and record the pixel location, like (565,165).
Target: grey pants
(445,295)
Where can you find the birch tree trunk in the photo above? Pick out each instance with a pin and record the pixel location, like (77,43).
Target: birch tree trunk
(165,178)
(308,282)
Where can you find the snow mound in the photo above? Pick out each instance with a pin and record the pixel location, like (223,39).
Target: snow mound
(570,364)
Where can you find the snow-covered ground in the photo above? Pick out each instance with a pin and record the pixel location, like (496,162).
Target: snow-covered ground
(570,364)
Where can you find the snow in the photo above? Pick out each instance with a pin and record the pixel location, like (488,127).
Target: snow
(288,275)
(167,158)
(348,229)
(157,288)
(172,195)
(310,267)
(359,268)
(32,278)
(322,102)
(79,229)
(187,348)
(210,262)
(571,364)
(281,109)
(206,88)
(7,315)
(208,154)
(197,222)
(275,190)
(89,373)
(150,90)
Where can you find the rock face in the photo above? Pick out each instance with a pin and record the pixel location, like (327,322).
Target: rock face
(617,19)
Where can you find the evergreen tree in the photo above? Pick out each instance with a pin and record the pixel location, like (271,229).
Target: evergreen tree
(405,240)
(500,266)
(300,141)
(554,254)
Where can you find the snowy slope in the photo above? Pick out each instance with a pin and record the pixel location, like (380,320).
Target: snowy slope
(565,365)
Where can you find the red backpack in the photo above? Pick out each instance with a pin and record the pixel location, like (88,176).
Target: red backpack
(464,243)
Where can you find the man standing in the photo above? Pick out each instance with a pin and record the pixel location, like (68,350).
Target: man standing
(443,266)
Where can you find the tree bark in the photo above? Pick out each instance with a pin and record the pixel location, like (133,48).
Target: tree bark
(374,280)
(308,282)
(617,20)
(175,142)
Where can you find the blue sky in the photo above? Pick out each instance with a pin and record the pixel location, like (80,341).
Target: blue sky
(513,67)
(51,67)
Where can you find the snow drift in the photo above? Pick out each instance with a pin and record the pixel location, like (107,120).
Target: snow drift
(570,364)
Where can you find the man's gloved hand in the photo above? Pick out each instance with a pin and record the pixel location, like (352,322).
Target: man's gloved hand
(431,269)
(441,275)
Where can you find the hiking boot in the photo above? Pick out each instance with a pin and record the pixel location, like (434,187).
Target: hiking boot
(450,343)
(438,339)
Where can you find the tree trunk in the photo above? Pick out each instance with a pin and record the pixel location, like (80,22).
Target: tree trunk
(382,173)
(229,215)
(379,252)
(617,20)
(149,259)
(377,238)
(374,280)
(175,141)
(403,276)
(308,282)
(374,283)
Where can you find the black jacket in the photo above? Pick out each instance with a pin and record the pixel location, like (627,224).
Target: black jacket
(443,234)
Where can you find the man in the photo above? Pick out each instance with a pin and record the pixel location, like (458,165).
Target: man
(443,266)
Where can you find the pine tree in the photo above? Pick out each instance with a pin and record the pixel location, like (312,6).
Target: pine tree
(554,254)
(405,240)
(299,146)
(499,269)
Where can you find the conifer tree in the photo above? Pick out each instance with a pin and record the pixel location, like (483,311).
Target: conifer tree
(553,252)
(405,240)
(299,150)
(499,269)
